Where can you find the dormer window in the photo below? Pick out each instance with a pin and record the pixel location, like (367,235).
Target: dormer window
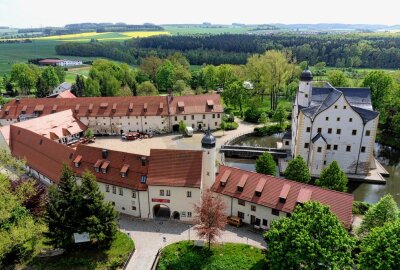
(24,110)
(77,161)
(104,167)
(143,160)
(260,187)
(97,165)
(124,170)
(181,105)
(242,182)
(225,177)
(210,103)
(114,108)
(90,107)
(104,105)
(145,107)
(77,108)
(130,107)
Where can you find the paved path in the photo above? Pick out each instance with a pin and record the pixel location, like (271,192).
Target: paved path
(148,236)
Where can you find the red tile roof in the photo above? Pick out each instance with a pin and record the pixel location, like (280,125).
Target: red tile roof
(340,203)
(117,161)
(181,168)
(99,106)
(42,154)
(195,104)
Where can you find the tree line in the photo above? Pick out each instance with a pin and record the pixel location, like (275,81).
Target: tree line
(368,51)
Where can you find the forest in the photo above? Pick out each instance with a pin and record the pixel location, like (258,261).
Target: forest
(352,50)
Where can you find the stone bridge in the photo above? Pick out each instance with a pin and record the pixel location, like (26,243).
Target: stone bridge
(250,151)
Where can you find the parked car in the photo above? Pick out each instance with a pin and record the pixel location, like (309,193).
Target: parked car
(234,221)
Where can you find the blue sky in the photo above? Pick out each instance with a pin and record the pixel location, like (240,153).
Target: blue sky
(35,13)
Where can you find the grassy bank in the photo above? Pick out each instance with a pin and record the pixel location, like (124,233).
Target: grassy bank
(100,259)
(184,255)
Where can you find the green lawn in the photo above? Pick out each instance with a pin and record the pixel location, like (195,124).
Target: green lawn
(93,259)
(184,255)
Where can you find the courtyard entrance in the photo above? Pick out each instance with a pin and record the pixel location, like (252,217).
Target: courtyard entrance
(161,211)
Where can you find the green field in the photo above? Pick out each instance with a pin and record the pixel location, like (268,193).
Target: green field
(11,53)
(192,30)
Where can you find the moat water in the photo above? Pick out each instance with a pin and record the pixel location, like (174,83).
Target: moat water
(387,156)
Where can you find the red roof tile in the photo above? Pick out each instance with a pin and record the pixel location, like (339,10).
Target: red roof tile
(181,168)
(98,106)
(304,195)
(43,155)
(339,203)
(117,160)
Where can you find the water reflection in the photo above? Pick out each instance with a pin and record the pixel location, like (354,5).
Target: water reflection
(387,156)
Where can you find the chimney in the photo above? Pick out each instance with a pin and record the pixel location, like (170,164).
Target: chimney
(104,153)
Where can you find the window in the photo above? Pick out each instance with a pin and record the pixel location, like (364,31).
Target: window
(319,130)
(354,132)
(288,215)
(319,149)
(306,95)
(133,194)
(107,188)
(143,179)
(338,131)
(335,147)
(188,194)
(161,192)
(168,192)
(241,202)
(324,162)
(308,129)
(204,116)
(306,145)
(338,119)
(213,115)
(253,208)
(265,222)
(344,107)
(77,164)
(275,212)
(133,208)
(328,146)
(335,107)
(192,117)
(123,175)
(113,203)
(176,118)
(367,132)
(121,191)
(104,170)
(189,214)
(329,131)
(350,119)
(219,115)
(184,117)
(114,189)
(216,123)
(241,215)
(348,148)
(327,118)
(286,142)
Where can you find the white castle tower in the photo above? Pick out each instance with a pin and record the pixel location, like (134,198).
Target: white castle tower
(305,88)
(209,152)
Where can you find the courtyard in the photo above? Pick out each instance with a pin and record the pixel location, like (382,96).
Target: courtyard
(151,235)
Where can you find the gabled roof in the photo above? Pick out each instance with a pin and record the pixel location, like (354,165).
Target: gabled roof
(42,154)
(317,137)
(324,97)
(339,203)
(115,162)
(102,106)
(180,168)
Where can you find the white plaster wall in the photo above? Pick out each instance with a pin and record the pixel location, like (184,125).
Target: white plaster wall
(198,119)
(178,200)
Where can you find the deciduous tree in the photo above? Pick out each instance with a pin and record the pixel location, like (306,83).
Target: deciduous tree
(24,76)
(147,89)
(380,249)
(297,170)
(280,115)
(265,164)
(333,177)
(385,210)
(337,78)
(182,127)
(381,84)
(150,66)
(312,238)
(92,88)
(165,76)
(210,217)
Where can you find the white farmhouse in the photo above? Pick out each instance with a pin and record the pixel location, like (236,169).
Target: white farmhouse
(330,124)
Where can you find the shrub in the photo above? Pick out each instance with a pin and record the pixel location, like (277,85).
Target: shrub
(268,130)
(228,118)
(252,115)
(360,208)
(231,126)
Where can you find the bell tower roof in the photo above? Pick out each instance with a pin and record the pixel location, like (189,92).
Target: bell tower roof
(208,140)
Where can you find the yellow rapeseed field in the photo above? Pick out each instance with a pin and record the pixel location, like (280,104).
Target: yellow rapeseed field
(72,36)
(139,34)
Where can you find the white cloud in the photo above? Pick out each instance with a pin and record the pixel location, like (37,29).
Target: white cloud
(26,13)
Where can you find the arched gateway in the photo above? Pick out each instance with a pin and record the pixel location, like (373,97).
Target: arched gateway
(161,211)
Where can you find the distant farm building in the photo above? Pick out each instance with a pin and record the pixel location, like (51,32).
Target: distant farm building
(59,62)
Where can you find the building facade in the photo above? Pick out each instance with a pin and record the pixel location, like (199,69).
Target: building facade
(116,115)
(332,124)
